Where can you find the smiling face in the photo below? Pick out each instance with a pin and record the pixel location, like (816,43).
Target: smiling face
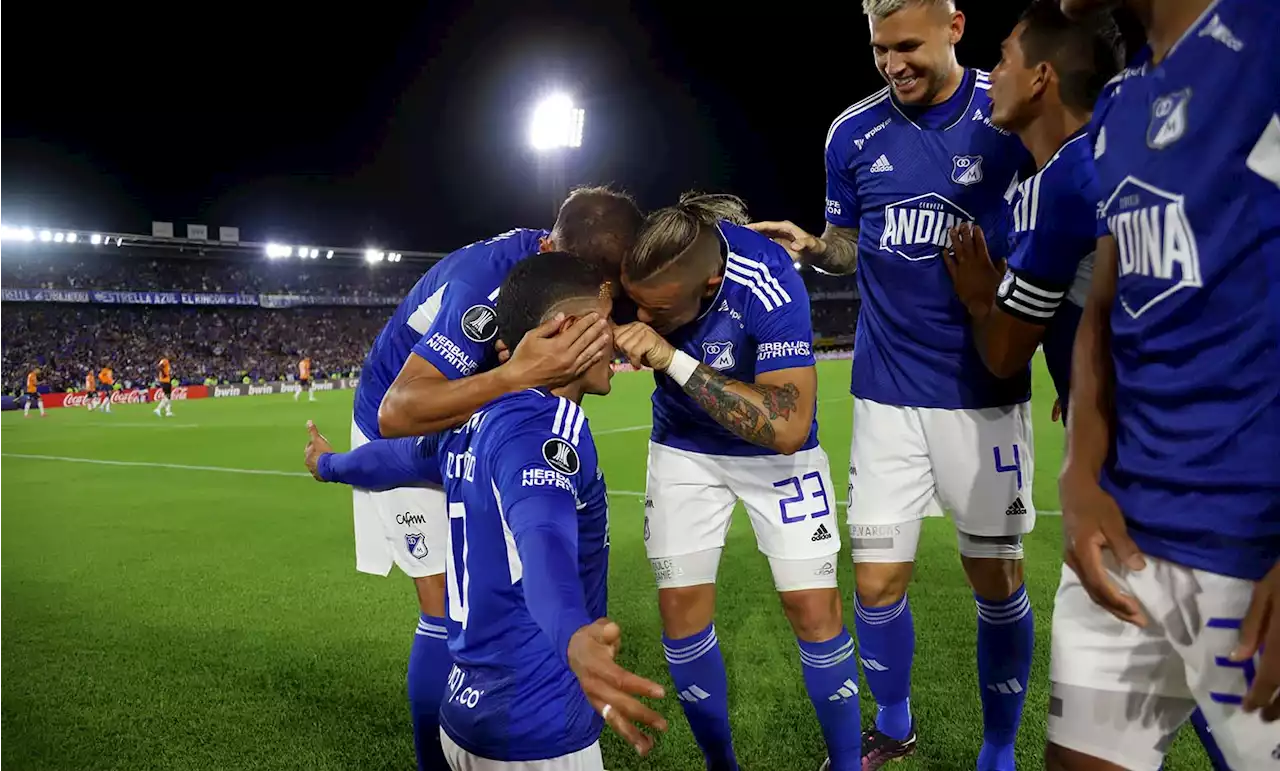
(914,50)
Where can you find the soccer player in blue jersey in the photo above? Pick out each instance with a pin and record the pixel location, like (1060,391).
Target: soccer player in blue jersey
(1170,490)
(724,319)
(533,678)
(933,428)
(1051,72)
(432,366)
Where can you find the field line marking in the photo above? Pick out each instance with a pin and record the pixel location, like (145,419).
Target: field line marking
(150,464)
(266,472)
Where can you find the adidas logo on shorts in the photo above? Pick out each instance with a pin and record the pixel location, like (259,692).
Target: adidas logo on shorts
(821,534)
(1016,509)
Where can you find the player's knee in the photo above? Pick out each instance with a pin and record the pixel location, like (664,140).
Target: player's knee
(882,583)
(686,610)
(815,614)
(993,580)
(431,594)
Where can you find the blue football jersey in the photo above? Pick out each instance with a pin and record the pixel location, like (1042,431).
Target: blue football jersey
(758,322)
(511,695)
(1187,153)
(1051,252)
(447,319)
(903,176)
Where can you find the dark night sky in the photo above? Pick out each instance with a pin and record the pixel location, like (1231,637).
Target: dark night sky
(407,126)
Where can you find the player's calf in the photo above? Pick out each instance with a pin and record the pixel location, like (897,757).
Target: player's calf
(1006,640)
(686,602)
(829,663)
(886,635)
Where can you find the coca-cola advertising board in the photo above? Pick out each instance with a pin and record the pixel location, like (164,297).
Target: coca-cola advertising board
(123,396)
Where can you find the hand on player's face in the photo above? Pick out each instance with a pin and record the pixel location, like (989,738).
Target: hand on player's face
(798,243)
(1093,522)
(551,357)
(591,652)
(642,346)
(1261,632)
(975,276)
(317,445)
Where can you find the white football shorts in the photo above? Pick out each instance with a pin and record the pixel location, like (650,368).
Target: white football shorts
(1120,693)
(586,759)
(689,502)
(406,527)
(907,463)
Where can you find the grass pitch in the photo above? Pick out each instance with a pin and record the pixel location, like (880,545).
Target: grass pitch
(159,613)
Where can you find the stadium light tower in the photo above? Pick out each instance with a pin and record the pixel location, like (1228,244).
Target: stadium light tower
(556,128)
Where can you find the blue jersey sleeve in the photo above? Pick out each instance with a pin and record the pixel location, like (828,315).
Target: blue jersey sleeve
(781,323)
(842,186)
(460,338)
(538,471)
(1054,229)
(384,464)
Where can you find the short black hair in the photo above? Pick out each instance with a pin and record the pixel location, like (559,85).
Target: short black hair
(1085,54)
(598,223)
(540,282)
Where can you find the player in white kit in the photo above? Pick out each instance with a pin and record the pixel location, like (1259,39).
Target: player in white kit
(1171,488)
(724,319)
(932,428)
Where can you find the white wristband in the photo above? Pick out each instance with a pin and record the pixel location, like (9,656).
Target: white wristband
(681,367)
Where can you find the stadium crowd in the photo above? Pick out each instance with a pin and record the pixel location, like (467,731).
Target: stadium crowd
(144,270)
(226,344)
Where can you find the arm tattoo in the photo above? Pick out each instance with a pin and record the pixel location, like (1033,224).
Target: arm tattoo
(841,255)
(738,413)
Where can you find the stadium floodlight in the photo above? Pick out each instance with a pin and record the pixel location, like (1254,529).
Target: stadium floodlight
(95,239)
(46,235)
(72,238)
(27,234)
(373,255)
(57,237)
(329,256)
(556,123)
(278,250)
(314,253)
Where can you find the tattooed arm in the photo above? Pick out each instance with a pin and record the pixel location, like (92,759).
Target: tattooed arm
(835,251)
(775,412)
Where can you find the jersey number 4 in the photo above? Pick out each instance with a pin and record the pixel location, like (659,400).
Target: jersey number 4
(456,578)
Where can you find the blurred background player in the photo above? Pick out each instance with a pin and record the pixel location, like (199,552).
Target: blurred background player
(32,394)
(734,418)
(932,428)
(528,551)
(304,380)
(1170,596)
(106,382)
(90,391)
(429,369)
(165,402)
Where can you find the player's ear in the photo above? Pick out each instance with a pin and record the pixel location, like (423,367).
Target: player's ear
(713,286)
(1041,80)
(545,244)
(957,27)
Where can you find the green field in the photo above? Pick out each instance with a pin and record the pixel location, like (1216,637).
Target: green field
(160,616)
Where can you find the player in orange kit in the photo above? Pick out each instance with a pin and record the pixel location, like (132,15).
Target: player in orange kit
(164,375)
(304,380)
(32,395)
(106,379)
